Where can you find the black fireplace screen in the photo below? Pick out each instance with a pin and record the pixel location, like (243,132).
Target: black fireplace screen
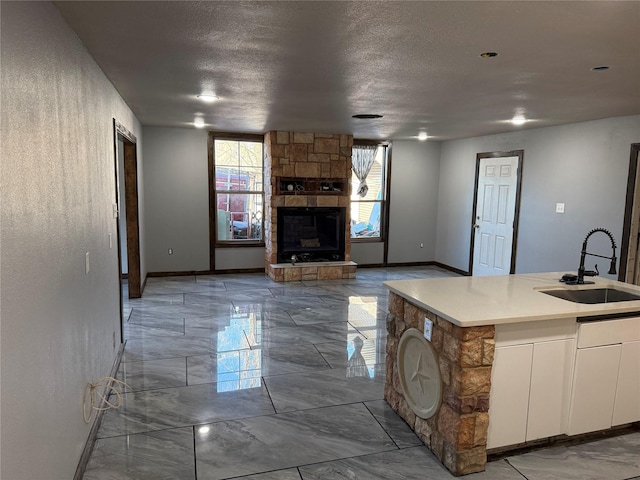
(312,234)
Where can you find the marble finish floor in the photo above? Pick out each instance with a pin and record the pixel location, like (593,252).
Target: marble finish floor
(236,376)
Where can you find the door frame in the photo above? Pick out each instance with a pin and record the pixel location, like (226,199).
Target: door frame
(516,216)
(629,244)
(131,208)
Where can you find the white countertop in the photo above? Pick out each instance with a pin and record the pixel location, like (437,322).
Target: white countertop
(476,301)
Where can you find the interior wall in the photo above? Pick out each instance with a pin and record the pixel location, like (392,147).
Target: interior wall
(58,187)
(414,198)
(177,200)
(239,258)
(583,165)
(367,253)
(176,189)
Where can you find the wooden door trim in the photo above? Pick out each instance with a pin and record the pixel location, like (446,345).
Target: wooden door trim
(626,243)
(385,220)
(516,217)
(131,208)
(212,204)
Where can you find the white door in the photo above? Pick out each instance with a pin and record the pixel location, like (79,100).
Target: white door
(495,215)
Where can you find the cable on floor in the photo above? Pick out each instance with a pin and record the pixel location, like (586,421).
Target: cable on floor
(108,385)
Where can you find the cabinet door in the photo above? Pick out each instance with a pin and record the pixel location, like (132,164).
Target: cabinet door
(594,388)
(550,388)
(509,400)
(627,405)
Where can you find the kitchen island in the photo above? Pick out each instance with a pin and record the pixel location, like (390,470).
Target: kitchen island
(507,364)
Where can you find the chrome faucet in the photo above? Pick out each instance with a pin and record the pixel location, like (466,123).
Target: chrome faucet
(590,273)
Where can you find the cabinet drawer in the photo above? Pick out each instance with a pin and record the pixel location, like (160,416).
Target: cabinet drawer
(609,332)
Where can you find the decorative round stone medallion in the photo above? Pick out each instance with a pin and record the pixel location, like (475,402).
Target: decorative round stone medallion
(419,373)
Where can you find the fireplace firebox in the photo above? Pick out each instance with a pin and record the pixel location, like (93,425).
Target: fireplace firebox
(312,234)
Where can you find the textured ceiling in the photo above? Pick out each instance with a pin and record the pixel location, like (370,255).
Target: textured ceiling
(310,66)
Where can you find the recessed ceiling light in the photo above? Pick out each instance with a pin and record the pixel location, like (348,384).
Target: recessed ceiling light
(208,98)
(198,123)
(422,136)
(600,69)
(518,120)
(488,54)
(366,116)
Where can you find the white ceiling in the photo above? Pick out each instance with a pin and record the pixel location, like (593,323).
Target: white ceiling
(310,65)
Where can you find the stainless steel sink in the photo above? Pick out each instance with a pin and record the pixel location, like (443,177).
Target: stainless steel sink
(593,295)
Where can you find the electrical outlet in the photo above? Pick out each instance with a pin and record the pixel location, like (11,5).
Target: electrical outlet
(428,328)
(171,251)
(559,207)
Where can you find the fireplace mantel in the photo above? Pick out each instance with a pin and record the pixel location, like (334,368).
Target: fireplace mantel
(311,186)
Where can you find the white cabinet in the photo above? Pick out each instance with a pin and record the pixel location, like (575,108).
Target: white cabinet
(606,382)
(508,403)
(530,389)
(550,388)
(564,378)
(594,388)
(626,408)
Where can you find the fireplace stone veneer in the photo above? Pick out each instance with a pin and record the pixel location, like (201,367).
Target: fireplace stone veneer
(313,158)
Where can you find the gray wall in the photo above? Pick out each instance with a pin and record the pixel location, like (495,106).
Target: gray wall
(414,198)
(239,258)
(177,200)
(177,211)
(584,165)
(58,187)
(367,253)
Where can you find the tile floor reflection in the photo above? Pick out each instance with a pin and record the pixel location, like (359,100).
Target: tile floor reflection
(236,376)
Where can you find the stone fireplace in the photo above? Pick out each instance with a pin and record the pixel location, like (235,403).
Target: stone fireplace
(307,206)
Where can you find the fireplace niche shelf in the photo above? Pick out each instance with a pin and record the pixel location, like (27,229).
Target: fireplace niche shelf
(312,186)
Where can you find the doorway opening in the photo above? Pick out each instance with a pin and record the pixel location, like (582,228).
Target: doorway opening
(629,251)
(126,170)
(496,210)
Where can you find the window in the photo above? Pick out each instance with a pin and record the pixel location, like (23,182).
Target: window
(238,188)
(368,212)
